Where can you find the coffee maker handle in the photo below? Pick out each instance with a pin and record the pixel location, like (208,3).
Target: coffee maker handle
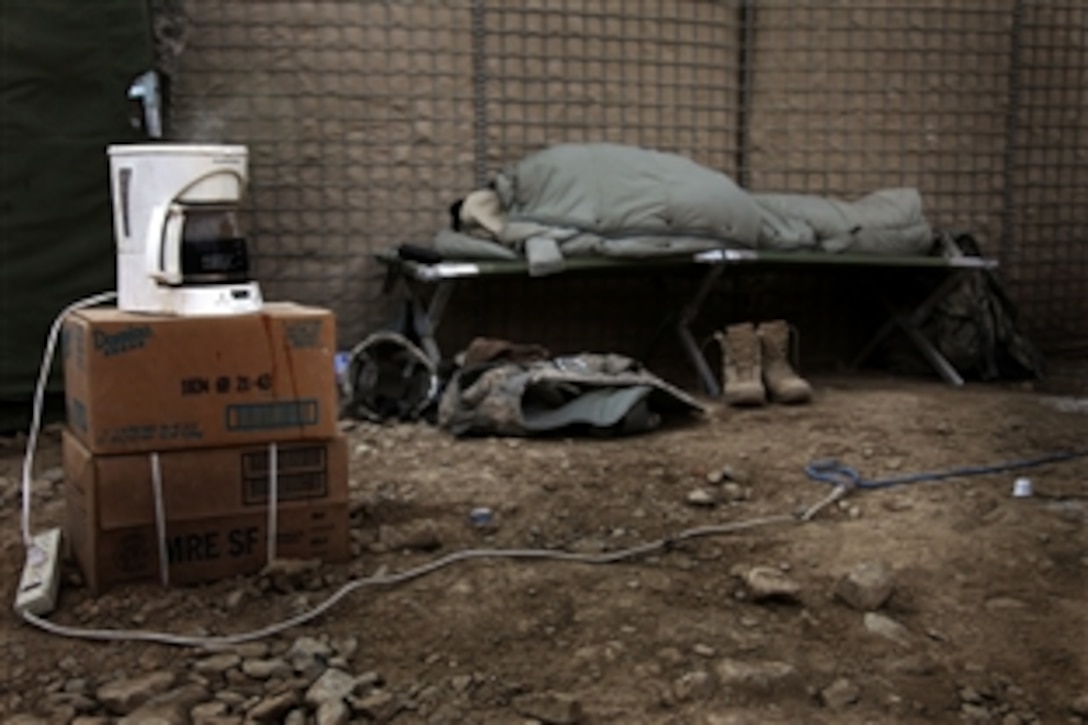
(164,244)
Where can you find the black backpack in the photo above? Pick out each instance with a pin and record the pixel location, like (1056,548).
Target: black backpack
(975,325)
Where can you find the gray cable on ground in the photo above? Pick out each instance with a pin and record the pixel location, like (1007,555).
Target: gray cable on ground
(117,635)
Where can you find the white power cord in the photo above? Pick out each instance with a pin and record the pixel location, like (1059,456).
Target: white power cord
(389,580)
(36,415)
(343,591)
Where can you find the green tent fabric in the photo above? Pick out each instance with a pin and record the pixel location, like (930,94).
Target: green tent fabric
(65,70)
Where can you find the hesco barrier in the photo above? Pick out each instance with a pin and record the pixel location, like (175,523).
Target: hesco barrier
(365,120)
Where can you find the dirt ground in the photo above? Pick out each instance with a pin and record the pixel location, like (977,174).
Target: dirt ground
(987,621)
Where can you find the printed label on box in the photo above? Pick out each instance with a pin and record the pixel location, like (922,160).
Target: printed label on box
(72,345)
(151,433)
(194,550)
(272,416)
(111,344)
(135,554)
(301,473)
(211,545)
(225,384)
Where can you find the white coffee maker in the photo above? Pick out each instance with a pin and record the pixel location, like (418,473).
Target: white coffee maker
(175,216)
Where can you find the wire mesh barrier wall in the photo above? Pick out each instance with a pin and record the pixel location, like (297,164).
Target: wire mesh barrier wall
(359,121)
(1046,251)
(366,120)
(662,75)
(853,97)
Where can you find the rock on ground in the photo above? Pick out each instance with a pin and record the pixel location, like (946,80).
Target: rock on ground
(867,586)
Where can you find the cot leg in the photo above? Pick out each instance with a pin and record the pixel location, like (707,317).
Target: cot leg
(938,361)
(687,340)
(911,325)
(427,322)
(706,375)
(871,346)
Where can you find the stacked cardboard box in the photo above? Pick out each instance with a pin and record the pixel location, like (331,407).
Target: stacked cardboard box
(175,425)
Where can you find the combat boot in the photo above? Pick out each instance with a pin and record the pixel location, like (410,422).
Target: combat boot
(741,365)
(784,385)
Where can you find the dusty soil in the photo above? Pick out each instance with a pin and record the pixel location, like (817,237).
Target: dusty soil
(989,590)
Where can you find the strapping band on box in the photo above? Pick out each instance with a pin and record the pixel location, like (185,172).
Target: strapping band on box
(160,510)
(160,519)
(273,499)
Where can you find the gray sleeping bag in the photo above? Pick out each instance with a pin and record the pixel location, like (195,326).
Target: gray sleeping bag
(615,200)
(889,221)
(605,192)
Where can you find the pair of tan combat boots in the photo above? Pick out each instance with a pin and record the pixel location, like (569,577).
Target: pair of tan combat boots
(756,362)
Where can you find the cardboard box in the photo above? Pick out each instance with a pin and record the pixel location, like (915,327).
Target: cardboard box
(215,505)
(150,382)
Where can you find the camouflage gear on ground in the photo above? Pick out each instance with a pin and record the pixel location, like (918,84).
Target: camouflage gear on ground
(602,392)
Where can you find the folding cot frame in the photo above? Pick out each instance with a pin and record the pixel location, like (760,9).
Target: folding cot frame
(444,275)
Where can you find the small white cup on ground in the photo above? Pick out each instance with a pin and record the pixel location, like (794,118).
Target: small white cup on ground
(1021,488)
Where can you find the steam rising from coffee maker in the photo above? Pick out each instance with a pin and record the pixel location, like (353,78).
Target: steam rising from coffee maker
(179,247)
